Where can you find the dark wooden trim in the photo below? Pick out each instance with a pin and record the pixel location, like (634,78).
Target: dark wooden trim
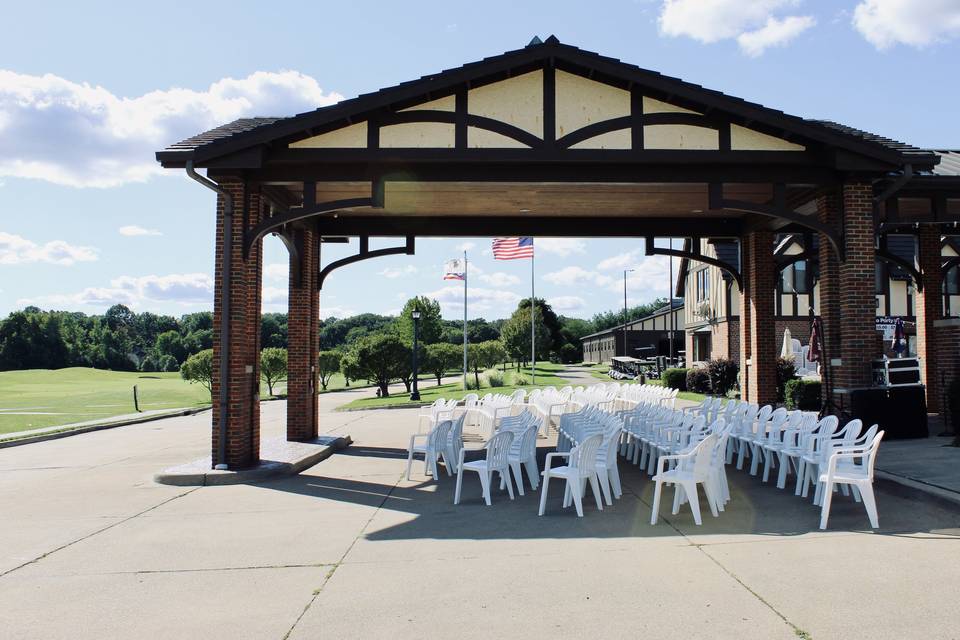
(540,225)
(886,257)
(549,105)
(295,249)
(637,122)
(651,250)
(309,210)
(460,123)
(470,120)
(364,253)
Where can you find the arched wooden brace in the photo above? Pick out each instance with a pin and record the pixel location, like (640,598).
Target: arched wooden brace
(450,117)
(366,254)
(696,256)
(885,256)
(625,122)
(295,214)
(777,210)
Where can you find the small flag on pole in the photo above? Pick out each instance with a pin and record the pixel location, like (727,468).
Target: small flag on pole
(454,269)
(512,248)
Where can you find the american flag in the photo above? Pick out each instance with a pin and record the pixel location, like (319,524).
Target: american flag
(512,248)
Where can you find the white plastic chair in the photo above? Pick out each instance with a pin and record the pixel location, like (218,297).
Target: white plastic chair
(523,453)
(691,469)
(607,470)
(433,446)
(841,469)
(497,461)
(581,468)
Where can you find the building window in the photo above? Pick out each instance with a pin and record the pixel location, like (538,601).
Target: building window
(795,279)
(951,281)
(703,285)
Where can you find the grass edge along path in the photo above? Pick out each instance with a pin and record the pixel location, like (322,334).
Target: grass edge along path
(599,371)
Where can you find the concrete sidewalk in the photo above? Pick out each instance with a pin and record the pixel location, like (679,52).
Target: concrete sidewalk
(91,548)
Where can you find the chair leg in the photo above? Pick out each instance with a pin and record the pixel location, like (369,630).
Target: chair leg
(655,512)
(755,459)
(825,508)
(456,495)
(515,468)
(677,495)
(605,486)
(532,473)
(615,479)
(801,471)
(594,481)
(710,490)
(505,475)
(870,502)
(577,496)
(740,457)
(543,494)
(694,500)
(409,462)
(486,479)
(767,463)
(784,468)
(567,495)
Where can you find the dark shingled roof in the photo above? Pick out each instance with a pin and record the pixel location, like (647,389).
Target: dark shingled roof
(254,131)
(949,162)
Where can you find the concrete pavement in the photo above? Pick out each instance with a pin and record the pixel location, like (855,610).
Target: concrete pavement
(90,547)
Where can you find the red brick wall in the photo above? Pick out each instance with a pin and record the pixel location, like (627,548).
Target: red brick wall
(758,346)
(929,309)
(947,332)
(243,373)
(303,331)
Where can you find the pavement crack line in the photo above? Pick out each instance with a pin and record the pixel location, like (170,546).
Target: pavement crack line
(94,533)
(336,565)
(800,633)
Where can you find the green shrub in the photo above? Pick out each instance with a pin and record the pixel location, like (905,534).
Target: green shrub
(473,384)
(723,374)
(786,371)
(493,378)
(698,380)
(675,378)
(802,394)
(518,379)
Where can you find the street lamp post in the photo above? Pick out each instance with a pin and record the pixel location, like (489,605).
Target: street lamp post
(625,272)
(415,314)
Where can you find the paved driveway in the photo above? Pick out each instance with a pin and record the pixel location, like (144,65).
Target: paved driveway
(91,548)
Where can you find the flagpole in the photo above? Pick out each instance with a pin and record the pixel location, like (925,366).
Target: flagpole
(464,319)
(533,325)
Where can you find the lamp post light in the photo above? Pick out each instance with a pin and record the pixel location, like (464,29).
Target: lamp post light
(625,272)
(415,314)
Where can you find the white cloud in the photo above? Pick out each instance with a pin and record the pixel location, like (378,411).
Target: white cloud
(620,261)
(885,23)
(466,246)
(775,33)
(186,289)
(752,23)
(480,300)
(16,249)
(573,276)
(396,272)
(567,303)
(276,271)
(560,246)
(500,279)
(134,230)
(80,135)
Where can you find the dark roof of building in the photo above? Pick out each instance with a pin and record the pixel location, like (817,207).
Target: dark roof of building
(902,246)
(677,304)
(949,163)
(250,132)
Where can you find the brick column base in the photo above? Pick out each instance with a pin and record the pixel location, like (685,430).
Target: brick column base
(303,339)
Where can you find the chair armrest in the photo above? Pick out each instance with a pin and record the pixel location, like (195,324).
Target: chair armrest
(552,455)
(414,437)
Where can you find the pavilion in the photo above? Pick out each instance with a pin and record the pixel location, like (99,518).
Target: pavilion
(551,140)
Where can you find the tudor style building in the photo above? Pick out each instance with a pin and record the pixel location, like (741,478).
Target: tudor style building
(551,140)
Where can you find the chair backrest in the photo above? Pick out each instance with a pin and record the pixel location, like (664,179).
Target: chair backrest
(498,449)
(528,442)
(456,431)
(851,431)
(470,400)
(438,435)
(871,457)
(703,455)
(584,455)
(518,396)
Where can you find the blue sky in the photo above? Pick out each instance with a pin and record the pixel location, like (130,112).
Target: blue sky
(89,90)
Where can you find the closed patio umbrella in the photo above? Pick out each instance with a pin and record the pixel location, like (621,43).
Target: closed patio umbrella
(786,352)
(815,333)
(899,338)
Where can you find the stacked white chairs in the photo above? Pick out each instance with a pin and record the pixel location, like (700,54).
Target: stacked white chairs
(811,454)
(491,409)
(581,468)
(608,471)
(841,469)
(432,446)
(440,410)
(497,460)
(766,428)
(470,402)
(523,451)
(549,404)
(792,447)
(689,470)
(454,445)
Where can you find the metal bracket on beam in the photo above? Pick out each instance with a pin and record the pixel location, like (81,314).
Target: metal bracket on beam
(779,210)
(696,256)
(366,254)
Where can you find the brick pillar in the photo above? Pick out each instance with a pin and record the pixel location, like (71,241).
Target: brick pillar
(929,310)
(242,376)
(758,336)
(303,339)
(857,292)
(829,212)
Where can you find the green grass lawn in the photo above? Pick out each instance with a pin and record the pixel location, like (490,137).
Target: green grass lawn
(599,371)
(546,376)
(45,398)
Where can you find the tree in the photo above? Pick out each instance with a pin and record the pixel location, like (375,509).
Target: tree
(439,358)
(199,368)
(169,343)
(430,324)
(328,363)
(380,358)
(273,330)
(273,366)
(484,355)
(515,334)
(350,367)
